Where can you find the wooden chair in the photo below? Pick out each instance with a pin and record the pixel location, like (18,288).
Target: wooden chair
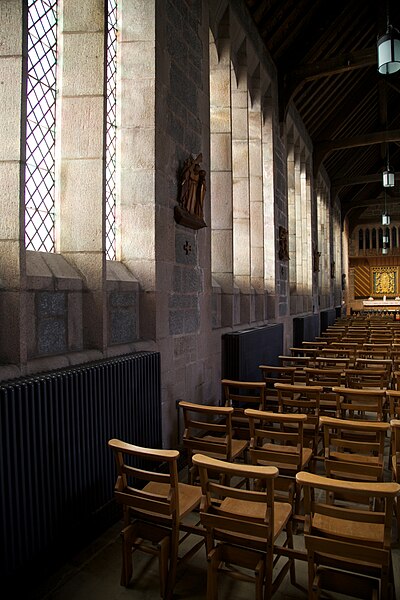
(299,362)
(156,509)
(327,378)
(354,450)
(394,403)
(331,362)
(302,399)
(374,353)
(348,546)
(241,395)
(362,403)
(367,378)
(243,526)
(277,440)
(337,351)
(395,463)
(272,374)
(208,430)
(314,344)
(374,363)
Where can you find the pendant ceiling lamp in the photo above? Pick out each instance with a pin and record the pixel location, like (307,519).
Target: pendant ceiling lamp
(388,173)
(385,216)
(388,47)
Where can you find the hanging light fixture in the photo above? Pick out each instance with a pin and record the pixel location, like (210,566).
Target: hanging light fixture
(388,177)
(389,51)
(385,216)
(388,173)
(385,250)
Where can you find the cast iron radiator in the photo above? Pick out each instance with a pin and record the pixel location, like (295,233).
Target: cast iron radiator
(57,474)
(243,351)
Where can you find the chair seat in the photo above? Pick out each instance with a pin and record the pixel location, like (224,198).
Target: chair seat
(278,448)
(256,510)
(345,529)
(238,447)
(189,495)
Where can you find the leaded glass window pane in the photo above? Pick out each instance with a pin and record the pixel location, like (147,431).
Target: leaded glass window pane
(111,129)
(40,125)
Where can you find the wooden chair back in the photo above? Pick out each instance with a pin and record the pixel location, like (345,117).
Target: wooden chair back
(272,374)
(367,378)
(231,515)
(303,399)
(277,440)
(362,403)
(324,361)
(354,450)
(374,363)
(394,403)
(327,378)
(208,430)
(374,353)
(241,395)
(348,544)
(155,505)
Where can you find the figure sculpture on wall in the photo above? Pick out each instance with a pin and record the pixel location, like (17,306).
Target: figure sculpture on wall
(192,192)
(316,257)
(283,244)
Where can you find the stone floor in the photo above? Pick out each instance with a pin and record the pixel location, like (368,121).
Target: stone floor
(94,574)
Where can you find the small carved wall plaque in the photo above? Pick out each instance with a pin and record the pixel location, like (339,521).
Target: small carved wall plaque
(189,211)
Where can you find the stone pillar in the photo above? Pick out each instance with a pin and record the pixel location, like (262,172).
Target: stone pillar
(136,235)
(291,186)
(12,161)
(221,176)
(269,209)
(256,207)
(241,192)
(80,146)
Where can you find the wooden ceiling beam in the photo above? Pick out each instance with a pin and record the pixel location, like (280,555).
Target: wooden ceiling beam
(291,82)
(322,149)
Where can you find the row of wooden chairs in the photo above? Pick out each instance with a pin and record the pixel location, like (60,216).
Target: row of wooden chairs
(240,526)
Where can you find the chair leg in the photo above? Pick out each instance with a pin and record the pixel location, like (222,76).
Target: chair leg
(127,534)
(289,534)
(173,564)
(164,551)
(213,563)
(260,578)
(312,587)
(269,566)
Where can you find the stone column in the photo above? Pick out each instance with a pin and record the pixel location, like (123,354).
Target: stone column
(241,195)
(256,207)
(221,176)
(269,209)
(12,161)
(80,147)
(136,235)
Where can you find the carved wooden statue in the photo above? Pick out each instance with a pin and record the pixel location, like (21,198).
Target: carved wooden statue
(192,192)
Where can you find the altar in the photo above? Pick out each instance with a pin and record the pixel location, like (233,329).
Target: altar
(381,305)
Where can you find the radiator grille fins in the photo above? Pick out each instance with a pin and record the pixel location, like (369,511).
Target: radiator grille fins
(56,472)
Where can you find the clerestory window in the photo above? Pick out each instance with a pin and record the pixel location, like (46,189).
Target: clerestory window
(40,125)
(111,130)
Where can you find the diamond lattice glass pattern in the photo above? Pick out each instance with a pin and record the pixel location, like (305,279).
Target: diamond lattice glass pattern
(40,125)
(111,128)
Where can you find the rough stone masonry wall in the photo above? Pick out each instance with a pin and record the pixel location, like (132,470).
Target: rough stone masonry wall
(190,362)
